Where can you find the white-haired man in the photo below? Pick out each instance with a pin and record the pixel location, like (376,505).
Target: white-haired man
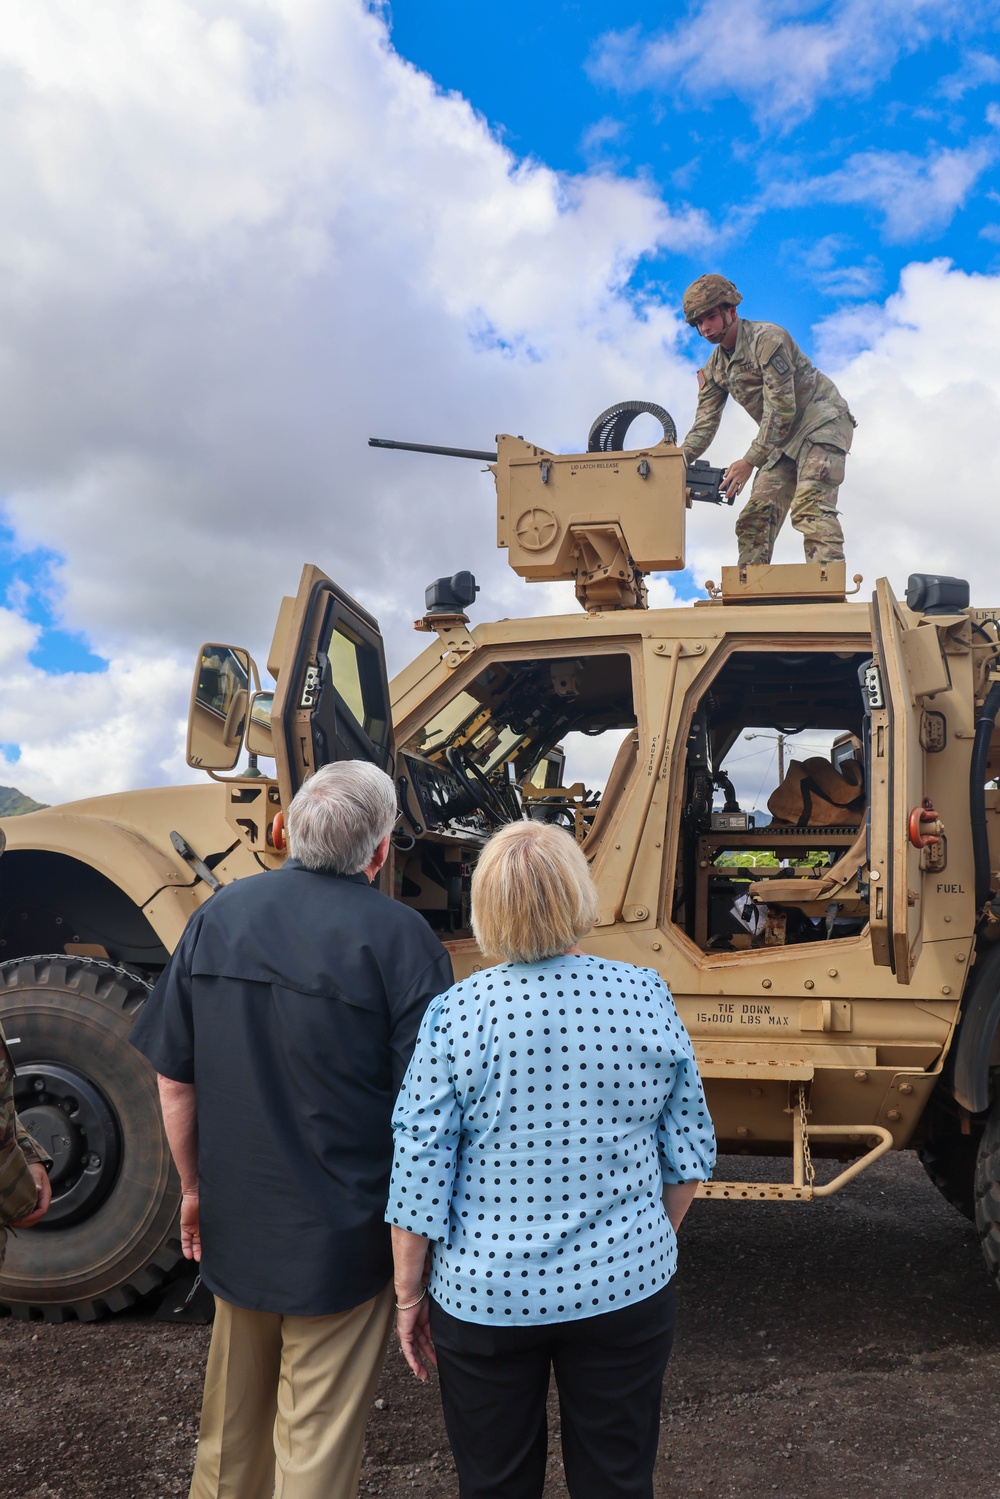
(281,1029)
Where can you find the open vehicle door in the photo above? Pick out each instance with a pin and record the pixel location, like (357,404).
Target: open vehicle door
(332,697)
(908,663)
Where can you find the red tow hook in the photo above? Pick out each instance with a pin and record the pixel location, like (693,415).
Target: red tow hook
(924,825)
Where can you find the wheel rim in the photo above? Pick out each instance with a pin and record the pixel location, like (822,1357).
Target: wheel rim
(72,1119)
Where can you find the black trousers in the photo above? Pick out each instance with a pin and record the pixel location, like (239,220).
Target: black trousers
(609,1374)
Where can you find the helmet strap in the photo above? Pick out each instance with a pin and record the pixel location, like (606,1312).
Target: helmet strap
(729,316)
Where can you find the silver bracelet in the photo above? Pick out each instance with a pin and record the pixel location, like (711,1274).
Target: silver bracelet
(409,1305)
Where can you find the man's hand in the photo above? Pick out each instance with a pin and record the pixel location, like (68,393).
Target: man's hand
(180,1120)
(44,1188)
(190,1233)
(735,478)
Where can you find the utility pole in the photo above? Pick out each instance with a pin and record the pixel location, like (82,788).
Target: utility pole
(781,750)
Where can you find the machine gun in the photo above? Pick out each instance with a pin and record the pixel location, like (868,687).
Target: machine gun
(703,482)
(602,519)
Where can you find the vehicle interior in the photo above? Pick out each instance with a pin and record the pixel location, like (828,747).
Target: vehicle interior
(553,738)
(746,877)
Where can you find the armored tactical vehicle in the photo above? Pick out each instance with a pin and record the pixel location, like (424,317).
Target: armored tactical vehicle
(837,965)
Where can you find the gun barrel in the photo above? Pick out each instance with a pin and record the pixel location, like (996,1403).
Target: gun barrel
(423,447)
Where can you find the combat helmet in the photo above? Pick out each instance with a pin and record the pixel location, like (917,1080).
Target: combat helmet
(708,292)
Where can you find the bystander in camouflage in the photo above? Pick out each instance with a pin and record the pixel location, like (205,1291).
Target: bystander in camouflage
(804,425)
(25,1192)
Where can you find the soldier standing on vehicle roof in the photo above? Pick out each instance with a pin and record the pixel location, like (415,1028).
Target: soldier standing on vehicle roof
(805,428)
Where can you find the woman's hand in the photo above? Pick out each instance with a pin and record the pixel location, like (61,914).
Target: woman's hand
(414,1333)
(411,1258)
(677,1198)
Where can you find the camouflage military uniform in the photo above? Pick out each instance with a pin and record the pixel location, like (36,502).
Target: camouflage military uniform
(18,1151)
(804,436)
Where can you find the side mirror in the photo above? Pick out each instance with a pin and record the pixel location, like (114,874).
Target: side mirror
(259,738)
(218,713)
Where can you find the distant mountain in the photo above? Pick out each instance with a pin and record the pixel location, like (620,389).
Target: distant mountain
(13,802)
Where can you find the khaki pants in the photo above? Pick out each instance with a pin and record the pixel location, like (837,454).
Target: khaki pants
(809,489)
(287,1400)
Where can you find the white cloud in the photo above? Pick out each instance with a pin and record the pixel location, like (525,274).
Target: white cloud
(916,196)
(84,733)
(926,392)
(17,637)
(848,283)
(598,139)
(977,69)
(781,56)
(236,240)
(819,261)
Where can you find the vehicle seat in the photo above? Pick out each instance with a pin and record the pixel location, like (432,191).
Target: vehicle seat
(621,770)
(814,794)
(811,894)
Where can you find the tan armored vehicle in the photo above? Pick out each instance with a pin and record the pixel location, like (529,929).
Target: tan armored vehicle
(837,966)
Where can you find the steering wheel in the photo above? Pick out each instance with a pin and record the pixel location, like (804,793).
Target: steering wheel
(479,786)
(555,809)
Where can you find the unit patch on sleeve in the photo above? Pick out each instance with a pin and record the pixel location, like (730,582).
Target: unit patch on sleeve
(701,379)
(779,364)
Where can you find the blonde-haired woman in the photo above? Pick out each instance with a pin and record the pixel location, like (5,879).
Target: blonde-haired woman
(549,1136)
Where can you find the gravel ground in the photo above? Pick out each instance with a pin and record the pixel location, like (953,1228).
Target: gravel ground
(822,1350)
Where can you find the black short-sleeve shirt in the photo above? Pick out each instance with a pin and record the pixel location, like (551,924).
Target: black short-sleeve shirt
(292,1003)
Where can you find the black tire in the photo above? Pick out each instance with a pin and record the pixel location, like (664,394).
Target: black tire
(111,1234)
(988,1192)
(949,1158)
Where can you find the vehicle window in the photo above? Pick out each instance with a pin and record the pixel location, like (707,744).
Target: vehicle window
(525,738)
(344,656)
(772,845)
(357,674)
(443,725)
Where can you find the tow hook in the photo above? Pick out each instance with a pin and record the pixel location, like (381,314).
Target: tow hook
(924,826)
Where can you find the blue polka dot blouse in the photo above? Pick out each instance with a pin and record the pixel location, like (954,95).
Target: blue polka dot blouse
(543,1110)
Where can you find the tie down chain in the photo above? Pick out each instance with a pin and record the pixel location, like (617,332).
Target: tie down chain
(810,1169)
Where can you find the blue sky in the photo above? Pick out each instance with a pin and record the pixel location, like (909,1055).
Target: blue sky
(29,586)
(237,239)
(830,143)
